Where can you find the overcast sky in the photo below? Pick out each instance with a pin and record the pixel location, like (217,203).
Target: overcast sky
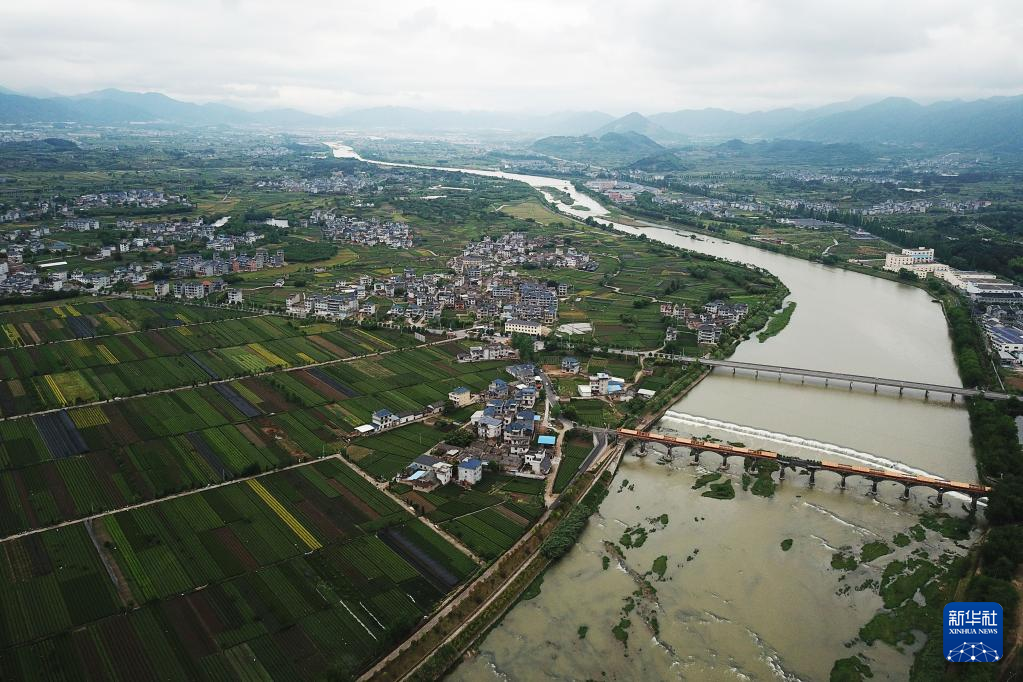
(645,55)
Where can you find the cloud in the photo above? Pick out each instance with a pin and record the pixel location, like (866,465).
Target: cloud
(649,55)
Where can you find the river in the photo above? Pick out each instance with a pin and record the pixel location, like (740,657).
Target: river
(733,605)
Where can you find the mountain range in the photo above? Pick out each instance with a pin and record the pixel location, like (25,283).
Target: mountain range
(993,124)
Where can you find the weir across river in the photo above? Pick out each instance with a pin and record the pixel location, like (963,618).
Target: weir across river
(875,475)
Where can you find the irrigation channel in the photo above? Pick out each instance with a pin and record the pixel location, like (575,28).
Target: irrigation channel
(732,604)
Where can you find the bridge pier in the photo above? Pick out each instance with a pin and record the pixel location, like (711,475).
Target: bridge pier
(873,486)
(781,473)
(900,390)
(756,374)
(973,504)
(813,475)
(905,493)
(724,462)
(927,394)
(850,385)
(940,499)
(802,379)
(642,448)
(842,484)
(875,388)
(696,456)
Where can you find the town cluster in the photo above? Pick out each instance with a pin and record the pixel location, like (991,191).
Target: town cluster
(507,432)
(141,198)
(516,248)
(1001,300)
(342,228)
(708,324)
(525,305)
(335,183)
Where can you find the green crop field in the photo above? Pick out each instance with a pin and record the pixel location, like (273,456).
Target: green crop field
(75,372)
(489,518)
(82,460)
(573,453)
(309,572)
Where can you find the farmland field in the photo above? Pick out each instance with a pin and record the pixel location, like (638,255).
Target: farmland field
(313,572)
(573,451)
(488,518)
(78,318)
(74,372)
(82,460)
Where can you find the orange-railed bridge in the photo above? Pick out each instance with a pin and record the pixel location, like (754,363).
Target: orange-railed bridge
(874,474)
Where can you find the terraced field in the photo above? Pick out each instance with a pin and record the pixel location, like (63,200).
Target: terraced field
(305,574)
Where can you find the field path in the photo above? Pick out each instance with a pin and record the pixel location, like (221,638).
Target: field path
(100,539)
(194,491)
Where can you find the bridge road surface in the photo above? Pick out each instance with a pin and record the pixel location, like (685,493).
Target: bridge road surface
(839,376)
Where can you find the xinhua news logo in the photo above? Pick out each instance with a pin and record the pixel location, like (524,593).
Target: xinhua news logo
(973,632)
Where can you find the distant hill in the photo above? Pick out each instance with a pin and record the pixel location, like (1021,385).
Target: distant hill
(795,152)
(637,123)
(994,124)
(118,107)
(611,149)
(659,163)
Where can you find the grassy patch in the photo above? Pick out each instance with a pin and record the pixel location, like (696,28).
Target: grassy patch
(951,527)
(777,322)
(873,550)
(660,566)
(786,544)
(843,561)
(705,479)
(852,669)
(721,491)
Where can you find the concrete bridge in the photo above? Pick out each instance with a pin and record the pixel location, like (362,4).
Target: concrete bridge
(838,377)
(875,475)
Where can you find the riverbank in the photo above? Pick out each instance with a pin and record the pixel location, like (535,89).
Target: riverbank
(558,533)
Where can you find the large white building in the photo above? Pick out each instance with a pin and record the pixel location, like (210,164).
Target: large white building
(919,261)
(523,327)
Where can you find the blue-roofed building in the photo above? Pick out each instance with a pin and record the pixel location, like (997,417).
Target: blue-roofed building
(570,364)
(460,396)
(547,440)
(498,388)
(489,427)
(470,471)
(384,419)
(1004,339)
